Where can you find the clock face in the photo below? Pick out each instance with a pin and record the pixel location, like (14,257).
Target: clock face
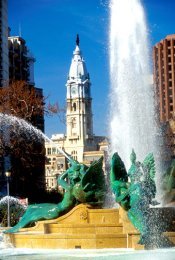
(73,90)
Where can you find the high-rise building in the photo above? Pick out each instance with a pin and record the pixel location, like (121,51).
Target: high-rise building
(4,60)
(21,61)
(79,142)
(21,67)
(164,76)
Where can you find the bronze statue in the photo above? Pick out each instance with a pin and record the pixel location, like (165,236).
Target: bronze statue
(168,184)
(85,184)
(135,195)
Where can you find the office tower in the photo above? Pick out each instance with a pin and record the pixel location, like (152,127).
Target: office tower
(21,61)
(4,62)
(164,76)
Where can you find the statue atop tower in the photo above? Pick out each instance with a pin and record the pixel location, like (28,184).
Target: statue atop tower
(77,40)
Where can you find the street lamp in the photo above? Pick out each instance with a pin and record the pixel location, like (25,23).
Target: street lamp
(8,174)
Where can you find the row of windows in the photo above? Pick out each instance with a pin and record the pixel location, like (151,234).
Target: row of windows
(170,100)
(169,77)
(169,60)
(53,150)
(165,108)
(74,155)
(74,141)
(52,170)
(170,43)
(161,46)
(51,183)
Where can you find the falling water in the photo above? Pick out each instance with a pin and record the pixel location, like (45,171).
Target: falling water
(133,120)
(10,123)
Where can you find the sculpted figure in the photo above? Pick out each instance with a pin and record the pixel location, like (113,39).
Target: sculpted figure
(134,195)
(119,182)
(85,184)
(168,184)
(142,191)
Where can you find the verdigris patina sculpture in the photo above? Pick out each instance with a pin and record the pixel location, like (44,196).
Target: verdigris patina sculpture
(135,196)
(168,184)
(84,185)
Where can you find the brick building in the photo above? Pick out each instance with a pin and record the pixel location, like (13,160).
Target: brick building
(164,76)
(164,79)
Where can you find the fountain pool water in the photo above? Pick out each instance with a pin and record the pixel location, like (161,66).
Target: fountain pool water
(7,252)
(95,254)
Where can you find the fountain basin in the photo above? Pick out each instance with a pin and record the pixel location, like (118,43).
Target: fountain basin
(85,228)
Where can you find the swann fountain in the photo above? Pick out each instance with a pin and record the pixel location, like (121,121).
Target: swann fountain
(79,221)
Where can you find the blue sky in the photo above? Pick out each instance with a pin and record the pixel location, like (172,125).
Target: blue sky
(50,27)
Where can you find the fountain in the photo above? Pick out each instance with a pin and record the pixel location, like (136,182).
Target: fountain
(133,125)
(133,109)
(19,125)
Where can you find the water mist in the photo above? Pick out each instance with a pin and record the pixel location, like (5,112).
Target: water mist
(132,103)
(10,123)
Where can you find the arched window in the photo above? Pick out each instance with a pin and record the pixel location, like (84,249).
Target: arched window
(74,107)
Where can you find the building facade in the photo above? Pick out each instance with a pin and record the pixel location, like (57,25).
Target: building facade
(79,141)
(4,61)
(164,79)
(21,61)
(164,76)
(21,67)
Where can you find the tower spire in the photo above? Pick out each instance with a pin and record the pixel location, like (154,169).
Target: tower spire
(77,40)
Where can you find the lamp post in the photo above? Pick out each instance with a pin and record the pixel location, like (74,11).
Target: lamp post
(8,174)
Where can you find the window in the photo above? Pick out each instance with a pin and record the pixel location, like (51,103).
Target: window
(74,122)
(53,150)
(170,84)
(48,150)
(74,155)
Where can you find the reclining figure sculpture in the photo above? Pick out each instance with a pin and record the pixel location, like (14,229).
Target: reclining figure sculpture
(84,185)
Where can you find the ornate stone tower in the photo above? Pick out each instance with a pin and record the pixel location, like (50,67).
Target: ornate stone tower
(79,108)
(79,141)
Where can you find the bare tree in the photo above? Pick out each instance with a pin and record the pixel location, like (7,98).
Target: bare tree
(27,154)
(25,101)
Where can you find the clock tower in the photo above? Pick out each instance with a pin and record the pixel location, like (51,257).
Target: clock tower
(79,140)
(79,137)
